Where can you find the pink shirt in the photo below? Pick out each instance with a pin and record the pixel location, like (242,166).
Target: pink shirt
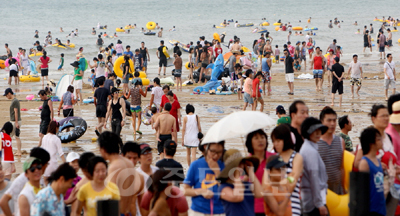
(248,83)
(119,48)
(259,202)
(396,143)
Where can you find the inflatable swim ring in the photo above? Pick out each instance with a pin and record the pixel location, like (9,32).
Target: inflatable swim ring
(219,26)
(216,37)
(79,128)
(165,51)
(151,25)
(30,97)
(119,30)
(145,81)
(149,33)
(29,78)
(142,74)
(224,93)
(245,49)
(339,204)
(398,40)
(245,25)
(37,54)
(264,24)
(394,30)
(6,62)
(277,24)
(2,64)
(59,46)
(127,27)
(277,28)
(117,66)
(71,45)
(262,31)
(297,28)
(146,116)
(223,25)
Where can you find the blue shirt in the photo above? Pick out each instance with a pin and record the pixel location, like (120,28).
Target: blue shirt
(200,175)
(377,201)
(246,207)
(46,201)
(264,65)
(138,60)
(129,53)
(82,64)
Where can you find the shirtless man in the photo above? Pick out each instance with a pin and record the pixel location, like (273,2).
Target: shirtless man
(121,171)
(166,128)
(389,39)
(268,47)
(8,50)
(235,46)
(160,32)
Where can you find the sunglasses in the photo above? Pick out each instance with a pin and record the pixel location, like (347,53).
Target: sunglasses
(33,168)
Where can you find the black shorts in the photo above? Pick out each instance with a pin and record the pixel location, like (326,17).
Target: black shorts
(160,145)
(44,72)
(68,112)
(101,111)
(366,45)
(204,65)
(43,127)
(13,73)
(177,75)
(382,49)
(162,62)
(337,86)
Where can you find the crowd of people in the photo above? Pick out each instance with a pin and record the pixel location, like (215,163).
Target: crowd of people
(291,179)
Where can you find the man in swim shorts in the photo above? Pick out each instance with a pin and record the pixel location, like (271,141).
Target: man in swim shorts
(356,74)
(367,41)
(316,66)
(166,128)
(389,39)
(266,65)
(162,58)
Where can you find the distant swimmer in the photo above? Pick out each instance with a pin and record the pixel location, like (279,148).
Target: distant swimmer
(160,32)
(236,24)
(36,34)
(335,21)
(115,34)
(355,23)
(309,20)
(224,23)
(99,41)
(358,31)
(173,29)
(157,26)
(61,29)
(143,31)
(72,34)
(68,43)
(214,26)
(93,31)
(371,29)
(330,24)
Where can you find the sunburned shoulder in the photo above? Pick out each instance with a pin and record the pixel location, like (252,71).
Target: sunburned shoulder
(121,163)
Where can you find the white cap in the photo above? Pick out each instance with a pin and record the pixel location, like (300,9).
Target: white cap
(72,156)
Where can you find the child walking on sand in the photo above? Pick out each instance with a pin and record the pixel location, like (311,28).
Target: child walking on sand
(240,85)
(277,53)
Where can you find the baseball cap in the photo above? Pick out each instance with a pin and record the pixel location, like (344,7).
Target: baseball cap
(297,42)
(8,90)
(170,145)
(280,109)
(144,147)
(28,163)
(72,156)
(336,59)
(276,162)
(113,90)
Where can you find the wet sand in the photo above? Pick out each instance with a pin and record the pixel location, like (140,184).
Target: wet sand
(210,109)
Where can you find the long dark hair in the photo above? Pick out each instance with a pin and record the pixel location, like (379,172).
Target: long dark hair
(44,54)
(250,136)
(282,132)
(159,184)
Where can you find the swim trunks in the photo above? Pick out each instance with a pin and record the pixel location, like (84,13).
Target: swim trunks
(163,138)
(337,86)
(162,62)
(266,76)
(356,81)
(136,109)
(101,111)
(318,73)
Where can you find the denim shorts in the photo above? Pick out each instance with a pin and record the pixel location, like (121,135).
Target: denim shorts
(318,73)
(247,98)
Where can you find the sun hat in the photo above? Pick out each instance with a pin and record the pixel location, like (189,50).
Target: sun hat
(235,52)
(75,64)
(395,116)
(232,159)
(224,33)
(80,55)
(72,156)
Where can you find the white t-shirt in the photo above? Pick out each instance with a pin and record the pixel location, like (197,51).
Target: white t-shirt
(145,176)
(29,193)
(13,67)
(389,69)
(52,144)
(101,69)
(158,93)
(307,38)
(355,69)
(15,189)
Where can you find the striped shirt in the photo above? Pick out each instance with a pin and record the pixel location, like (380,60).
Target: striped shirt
(295,197)
(332,155)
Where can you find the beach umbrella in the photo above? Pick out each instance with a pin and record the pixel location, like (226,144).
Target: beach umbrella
(237,124)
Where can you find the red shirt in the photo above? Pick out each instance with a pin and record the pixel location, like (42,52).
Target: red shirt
(255,89)
(176,202)
(165,100)
(174,112)
(317,62)
(259,202)
(44,62)
(8,155)
(291,50)
(283,28)
(217,51)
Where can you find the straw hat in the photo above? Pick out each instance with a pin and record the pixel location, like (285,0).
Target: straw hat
(395,117)
(236,52)
(232,159)
(80,55)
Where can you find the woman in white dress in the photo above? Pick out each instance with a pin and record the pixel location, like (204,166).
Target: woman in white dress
(24,59)
(190,130)
(52,144)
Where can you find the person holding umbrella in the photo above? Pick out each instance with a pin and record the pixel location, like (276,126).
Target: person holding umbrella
(201,183)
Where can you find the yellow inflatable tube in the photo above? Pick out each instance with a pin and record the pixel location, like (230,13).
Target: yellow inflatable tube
(338,205)
(297,28)
(37,54)
(277,24)
(129,27)
(117,66)
(119,30)
(216,37)
(264,24)
(29,78)
(277,28)
(145,81)
(151,25)
(394,30)
(142,74)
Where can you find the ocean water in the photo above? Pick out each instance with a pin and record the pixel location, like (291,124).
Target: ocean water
(19,20)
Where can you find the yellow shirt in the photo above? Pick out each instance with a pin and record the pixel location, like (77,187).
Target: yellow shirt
(89,196)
